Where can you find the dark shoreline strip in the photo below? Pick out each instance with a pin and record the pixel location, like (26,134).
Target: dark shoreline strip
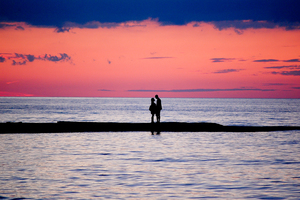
(62,127)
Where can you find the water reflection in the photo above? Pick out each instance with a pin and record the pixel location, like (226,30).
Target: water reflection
(155,132)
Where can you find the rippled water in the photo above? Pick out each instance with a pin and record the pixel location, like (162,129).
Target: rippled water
(138,165)
(254,112)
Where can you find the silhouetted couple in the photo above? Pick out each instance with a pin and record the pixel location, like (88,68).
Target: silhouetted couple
(155,108)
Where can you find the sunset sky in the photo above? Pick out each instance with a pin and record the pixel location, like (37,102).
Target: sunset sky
(113,48)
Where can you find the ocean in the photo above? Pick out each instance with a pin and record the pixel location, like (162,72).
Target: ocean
(138,165)
(240,112)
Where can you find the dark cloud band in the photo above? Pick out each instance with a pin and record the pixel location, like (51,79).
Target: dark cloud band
(223,14)
(225,71)
(206,90)
(267,60)
(222,59)
(157,57)
(288,73)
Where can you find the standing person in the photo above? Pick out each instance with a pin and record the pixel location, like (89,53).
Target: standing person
(158,108)
(153,109)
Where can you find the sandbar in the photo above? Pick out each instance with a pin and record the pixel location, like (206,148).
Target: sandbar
(66,126)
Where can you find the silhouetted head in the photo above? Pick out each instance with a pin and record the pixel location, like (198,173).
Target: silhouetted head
(152,99)
(156,96)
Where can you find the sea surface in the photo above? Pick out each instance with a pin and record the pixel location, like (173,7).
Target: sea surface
(242,112)
(139,165)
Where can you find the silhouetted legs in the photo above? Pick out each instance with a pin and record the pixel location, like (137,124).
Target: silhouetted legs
(158,116)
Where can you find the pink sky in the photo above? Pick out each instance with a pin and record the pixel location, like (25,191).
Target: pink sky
(141,59)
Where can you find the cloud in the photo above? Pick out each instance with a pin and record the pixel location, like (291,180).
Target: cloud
(281,67)
(63,57)
(4,25)
(105,90)
(16,25)
(224,71)
(275,84)
(240,25)
(20,28)
(30,58)
(2,59)
(231,13)
(62,29)
(221,59)
(93,25)
(14,94)
(22,59)
(292,60)
(196,25)
(293,68)
(157,57)
(19,63)
(267,60)
(19,56)
(290,73)
(275,60)
(66,27)
(206,90)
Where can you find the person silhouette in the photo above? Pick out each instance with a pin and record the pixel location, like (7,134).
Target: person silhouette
(153,109)
(158,108)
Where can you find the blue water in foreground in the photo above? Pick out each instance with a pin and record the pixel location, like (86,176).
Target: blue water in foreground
(138,165)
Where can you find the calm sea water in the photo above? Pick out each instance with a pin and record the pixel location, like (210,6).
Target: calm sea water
(264,112)
(138,165)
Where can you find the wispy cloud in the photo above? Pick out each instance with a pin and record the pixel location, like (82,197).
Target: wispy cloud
(63,57)
(16,25)
(19,62)
(275,84)
(267,60)
(206,90)
(293,70)
(105,90)
(292,60)
(290,73)
(15,94)
(275,60)
(154,57)
(62,29)
(225,71)
(284,66)
(240,25)
(90,25)
(222,59)
(96,24)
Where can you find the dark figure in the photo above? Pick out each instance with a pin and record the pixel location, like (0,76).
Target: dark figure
(158,108)
(153,109)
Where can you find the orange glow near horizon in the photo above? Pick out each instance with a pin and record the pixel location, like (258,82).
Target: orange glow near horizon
(139,59)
